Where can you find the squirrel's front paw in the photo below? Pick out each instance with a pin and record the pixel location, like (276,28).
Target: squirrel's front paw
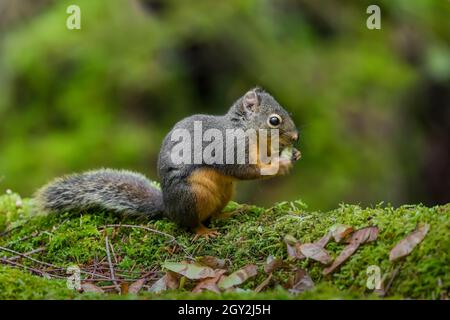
(296,155)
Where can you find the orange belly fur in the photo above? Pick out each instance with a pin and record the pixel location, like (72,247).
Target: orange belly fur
(212,190)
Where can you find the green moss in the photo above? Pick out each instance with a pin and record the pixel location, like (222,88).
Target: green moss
(249,236)
(12,210)
(16,284)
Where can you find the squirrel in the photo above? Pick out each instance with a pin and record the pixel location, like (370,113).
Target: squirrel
(190,193)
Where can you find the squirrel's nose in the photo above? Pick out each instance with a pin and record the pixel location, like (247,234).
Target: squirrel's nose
(294,136)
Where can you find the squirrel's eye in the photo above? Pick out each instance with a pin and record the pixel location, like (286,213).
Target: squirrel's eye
(274,120)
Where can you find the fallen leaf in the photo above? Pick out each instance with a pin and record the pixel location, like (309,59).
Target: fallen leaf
(406,245)
(272,264)
(364,235)
(212,262)
(340,231)
(238,277)
(359,237)
(210,284)
(347,252)
(322,242)
(263,284)
(191,271)
(136,286)
(89,287)
(168,281)
(315,252)
(159,286)
(293,247)
(173,280)
(301,282)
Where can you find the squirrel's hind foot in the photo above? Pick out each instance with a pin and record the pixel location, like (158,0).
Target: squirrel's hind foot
(202,231)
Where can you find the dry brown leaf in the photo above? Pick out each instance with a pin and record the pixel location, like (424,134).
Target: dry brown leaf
(159,286)
(347,252)
(136,286)
(315,252)
(340,231)
(169,281)
(90,287)
(238,277)
(406,245)
(272,264)
(359,237)
(293,247)
(210,284)
(322,242)
(301,282)
(191,271)
(364,235)
(172,280)
(263,284)
(212,262)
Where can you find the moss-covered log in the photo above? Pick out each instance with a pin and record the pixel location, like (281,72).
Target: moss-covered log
(249,236)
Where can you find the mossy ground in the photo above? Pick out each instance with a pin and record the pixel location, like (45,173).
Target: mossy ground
(248,237)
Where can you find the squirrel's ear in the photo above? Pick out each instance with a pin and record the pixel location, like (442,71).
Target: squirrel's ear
(250,101)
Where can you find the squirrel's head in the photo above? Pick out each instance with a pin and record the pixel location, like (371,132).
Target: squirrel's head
(257,109)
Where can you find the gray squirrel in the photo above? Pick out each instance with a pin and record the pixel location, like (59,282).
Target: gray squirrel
(190,193)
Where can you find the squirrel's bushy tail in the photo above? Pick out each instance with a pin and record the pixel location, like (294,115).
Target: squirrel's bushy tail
(120,191)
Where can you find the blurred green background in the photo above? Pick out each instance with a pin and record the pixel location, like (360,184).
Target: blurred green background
(373,106)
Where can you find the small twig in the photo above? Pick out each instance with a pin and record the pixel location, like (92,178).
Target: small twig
(27,253)
(35,233)
(45,263)
(6,261)
(32,235)
(124,274)
(88,270)
(391,280)
(111,268)
(7,231)
(95,263)
(172,238)
(108,287)
(117,280)
(116,269)
(32,270)
(99,263)
(28,257)
(133,266)
(113,252)
(83,271)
